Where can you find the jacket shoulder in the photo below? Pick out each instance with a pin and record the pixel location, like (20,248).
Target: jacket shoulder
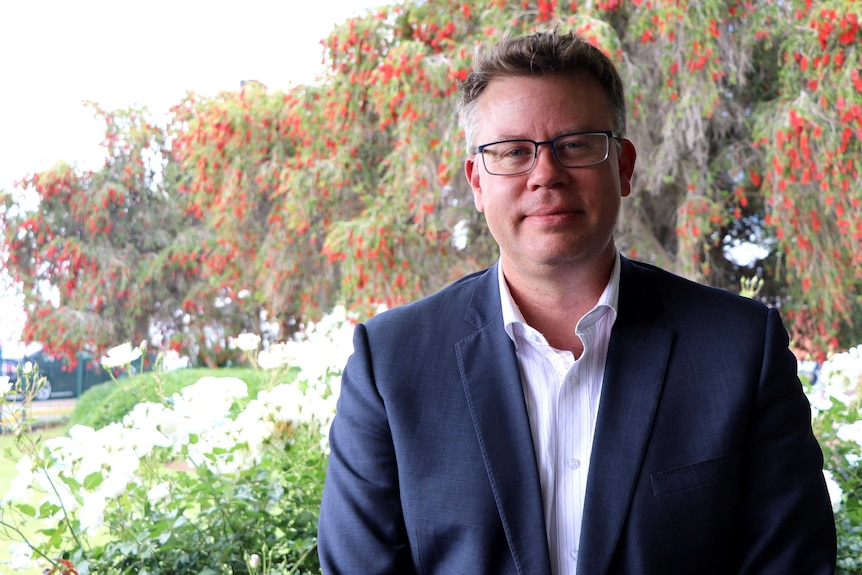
(654,294)
(446,307)
(670,285)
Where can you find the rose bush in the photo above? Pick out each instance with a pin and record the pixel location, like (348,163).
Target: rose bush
(213,481)
(835,394)
(206,481)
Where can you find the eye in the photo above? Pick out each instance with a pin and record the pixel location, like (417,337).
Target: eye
(510,150)
(519,151)
(572,144)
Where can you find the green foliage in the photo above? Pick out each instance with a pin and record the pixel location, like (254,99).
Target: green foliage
(849,526)
(750,287)
(240,499)
(837,422)
(214,522)
(110,402)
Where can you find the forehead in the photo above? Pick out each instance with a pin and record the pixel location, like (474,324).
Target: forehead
(542,106)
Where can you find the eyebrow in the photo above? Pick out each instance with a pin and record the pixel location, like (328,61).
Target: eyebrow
(502,137)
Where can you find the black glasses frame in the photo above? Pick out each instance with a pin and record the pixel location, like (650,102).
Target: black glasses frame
(553,143)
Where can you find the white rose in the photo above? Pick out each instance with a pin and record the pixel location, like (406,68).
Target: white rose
(834,490)
(121,355)
(247,341)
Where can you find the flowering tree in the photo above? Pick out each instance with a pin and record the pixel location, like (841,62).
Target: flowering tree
(361,175)
(100,259)
(114,254)
(810,140)
(748,116)
(255,181)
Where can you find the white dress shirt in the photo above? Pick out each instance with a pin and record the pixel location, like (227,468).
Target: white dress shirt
(562,396)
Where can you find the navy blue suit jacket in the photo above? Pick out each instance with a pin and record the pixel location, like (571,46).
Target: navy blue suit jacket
(703,460)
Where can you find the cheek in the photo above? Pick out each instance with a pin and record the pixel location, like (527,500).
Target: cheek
(477,199)
(496,216)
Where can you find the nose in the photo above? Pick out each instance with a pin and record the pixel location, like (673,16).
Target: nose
(547,170)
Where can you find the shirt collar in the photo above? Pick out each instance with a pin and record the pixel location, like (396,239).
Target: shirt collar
(512,315)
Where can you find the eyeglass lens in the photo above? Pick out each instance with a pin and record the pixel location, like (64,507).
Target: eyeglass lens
(572,151)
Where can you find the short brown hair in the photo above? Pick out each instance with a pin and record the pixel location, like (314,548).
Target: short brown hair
(540,54)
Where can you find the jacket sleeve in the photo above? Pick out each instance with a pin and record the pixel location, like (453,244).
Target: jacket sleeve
(361,529)
(787,525)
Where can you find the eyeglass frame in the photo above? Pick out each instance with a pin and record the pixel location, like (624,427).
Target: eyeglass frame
(608,134)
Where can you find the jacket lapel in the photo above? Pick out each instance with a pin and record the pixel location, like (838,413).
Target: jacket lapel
(637,358)
(492,384)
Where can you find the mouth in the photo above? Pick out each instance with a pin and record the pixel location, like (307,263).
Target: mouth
(552,216)
(552,212)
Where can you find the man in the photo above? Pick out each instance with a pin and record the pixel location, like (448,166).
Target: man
(568,410)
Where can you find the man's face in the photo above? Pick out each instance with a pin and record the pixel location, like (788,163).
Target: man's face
(551,217)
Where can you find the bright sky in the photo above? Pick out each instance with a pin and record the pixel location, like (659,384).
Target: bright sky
(54,54)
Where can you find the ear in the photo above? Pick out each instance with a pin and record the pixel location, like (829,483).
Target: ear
(471,170)
(626,164)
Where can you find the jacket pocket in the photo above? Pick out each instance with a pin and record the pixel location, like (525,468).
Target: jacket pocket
(694,475)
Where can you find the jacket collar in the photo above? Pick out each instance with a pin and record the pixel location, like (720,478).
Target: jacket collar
(638,352)
(492,384)
(638,355)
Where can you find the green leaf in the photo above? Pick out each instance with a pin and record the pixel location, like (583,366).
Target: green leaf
(48,509)
(93,480)
(26,509)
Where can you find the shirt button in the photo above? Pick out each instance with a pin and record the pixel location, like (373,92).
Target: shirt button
(574,554)
(573,463)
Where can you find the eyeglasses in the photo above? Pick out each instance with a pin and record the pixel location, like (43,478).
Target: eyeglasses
(512,157)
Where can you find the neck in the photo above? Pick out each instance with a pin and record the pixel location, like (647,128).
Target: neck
(553,303)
